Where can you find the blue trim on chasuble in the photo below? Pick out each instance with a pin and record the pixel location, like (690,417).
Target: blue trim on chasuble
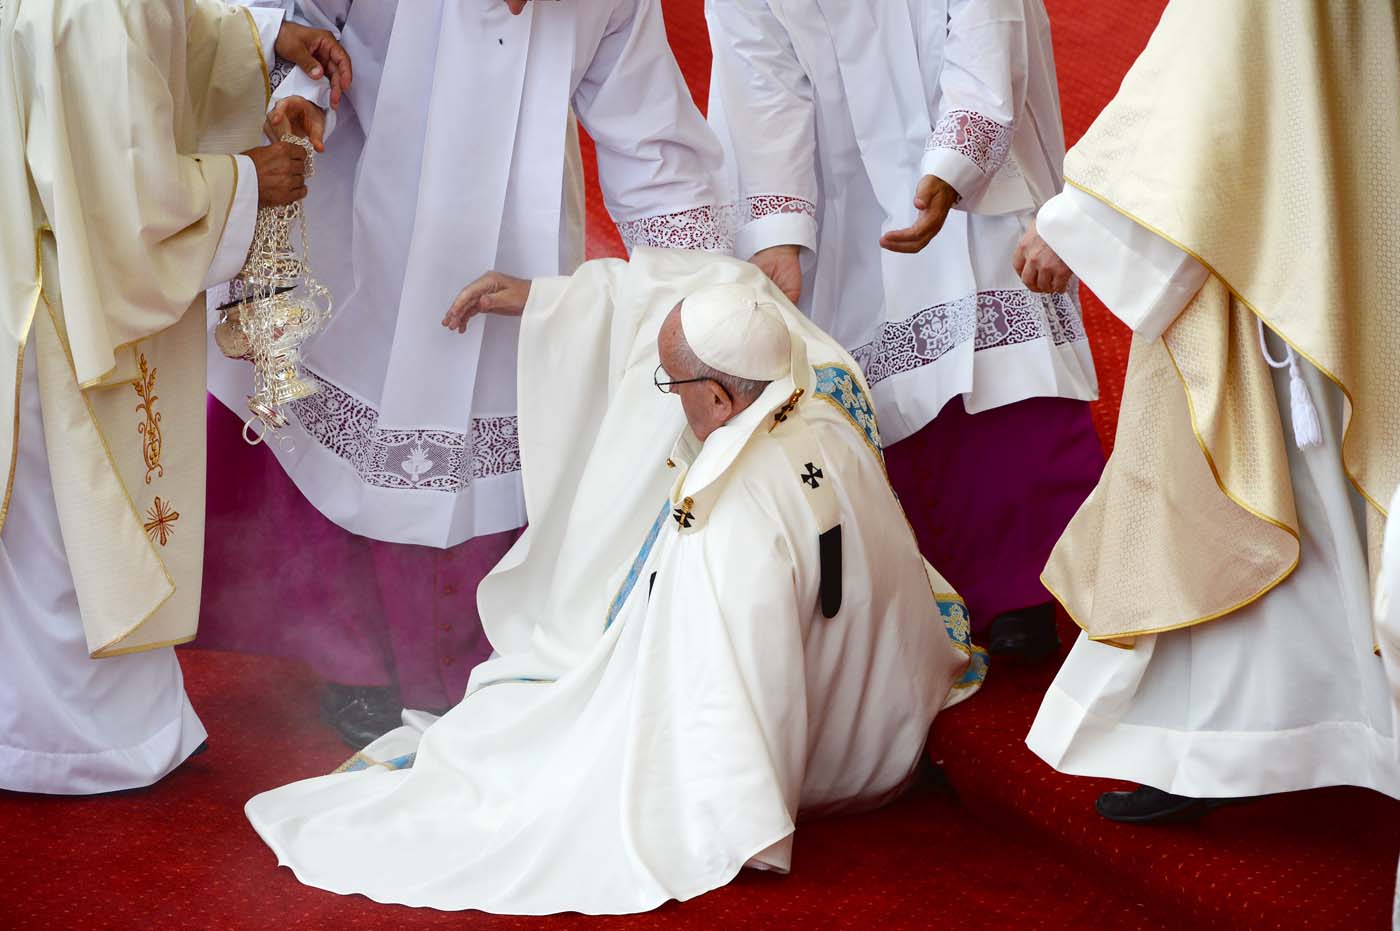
(629,583)
(837,384)
(635,572)
(958,624)
(359,761)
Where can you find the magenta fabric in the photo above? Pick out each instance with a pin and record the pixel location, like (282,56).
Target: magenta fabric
(282,580)
(989,494)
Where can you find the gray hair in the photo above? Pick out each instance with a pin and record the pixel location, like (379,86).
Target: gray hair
(741,390)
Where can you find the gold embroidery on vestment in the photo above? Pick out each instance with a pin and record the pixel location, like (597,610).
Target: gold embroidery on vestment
(145,385)
(160,521)
(788,407)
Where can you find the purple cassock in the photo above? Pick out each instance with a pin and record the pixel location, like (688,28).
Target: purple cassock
(989,495)
(280,579)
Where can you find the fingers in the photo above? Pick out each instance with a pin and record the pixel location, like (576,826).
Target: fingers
(300,117)
(309,123)
(333,60)
(300,55)
(914,238)
(276,122)
(1043,276)
(283,197)
(1027,273)
(923,194)
(341,69)
(469,301)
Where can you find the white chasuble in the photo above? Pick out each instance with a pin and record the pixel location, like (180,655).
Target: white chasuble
(453,153)
(830,113)
(674,683)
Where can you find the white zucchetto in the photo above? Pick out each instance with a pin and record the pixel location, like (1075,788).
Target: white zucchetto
(738,330)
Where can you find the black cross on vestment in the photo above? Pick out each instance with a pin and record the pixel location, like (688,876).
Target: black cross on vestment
(683,516)
(812,476)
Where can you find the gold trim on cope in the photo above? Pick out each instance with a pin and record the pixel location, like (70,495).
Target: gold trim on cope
(262,60)
(1351,401)
(19,371)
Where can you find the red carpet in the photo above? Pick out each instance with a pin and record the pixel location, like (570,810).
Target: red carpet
(1019,847)
(181,856)
(1322,859)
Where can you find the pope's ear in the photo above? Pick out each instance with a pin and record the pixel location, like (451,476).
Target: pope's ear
(721,399)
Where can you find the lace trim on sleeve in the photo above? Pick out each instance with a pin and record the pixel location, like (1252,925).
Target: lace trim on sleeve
(983,141)
(765,205)
(703,229)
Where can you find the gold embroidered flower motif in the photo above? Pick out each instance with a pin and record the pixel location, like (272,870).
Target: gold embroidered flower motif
(160,521)
(145,386)
(958,623)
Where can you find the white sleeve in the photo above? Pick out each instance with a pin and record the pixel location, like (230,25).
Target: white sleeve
(762,106)
(1143,279)
(658,161)
(982,92)
(232,250)
(267,16)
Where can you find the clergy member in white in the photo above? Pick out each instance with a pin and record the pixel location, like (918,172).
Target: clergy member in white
(716,618)
(1231,544)
(887,156)
(456,147)
(120,201)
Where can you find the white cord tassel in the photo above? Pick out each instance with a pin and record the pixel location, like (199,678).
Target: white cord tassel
(1307,427)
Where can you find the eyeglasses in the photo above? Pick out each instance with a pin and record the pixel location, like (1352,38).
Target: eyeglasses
(664,383)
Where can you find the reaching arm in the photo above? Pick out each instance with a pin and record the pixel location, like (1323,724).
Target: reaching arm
(762,107)
(658,163)
(983,92)
(492,293)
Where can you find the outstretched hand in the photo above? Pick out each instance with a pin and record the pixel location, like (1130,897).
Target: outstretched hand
(933,198)
(318,53)
(492,293)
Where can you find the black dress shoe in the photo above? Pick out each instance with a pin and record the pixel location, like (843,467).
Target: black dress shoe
(1028,634)
(1146,805)
(203,745)
(360,713)
(336,697)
